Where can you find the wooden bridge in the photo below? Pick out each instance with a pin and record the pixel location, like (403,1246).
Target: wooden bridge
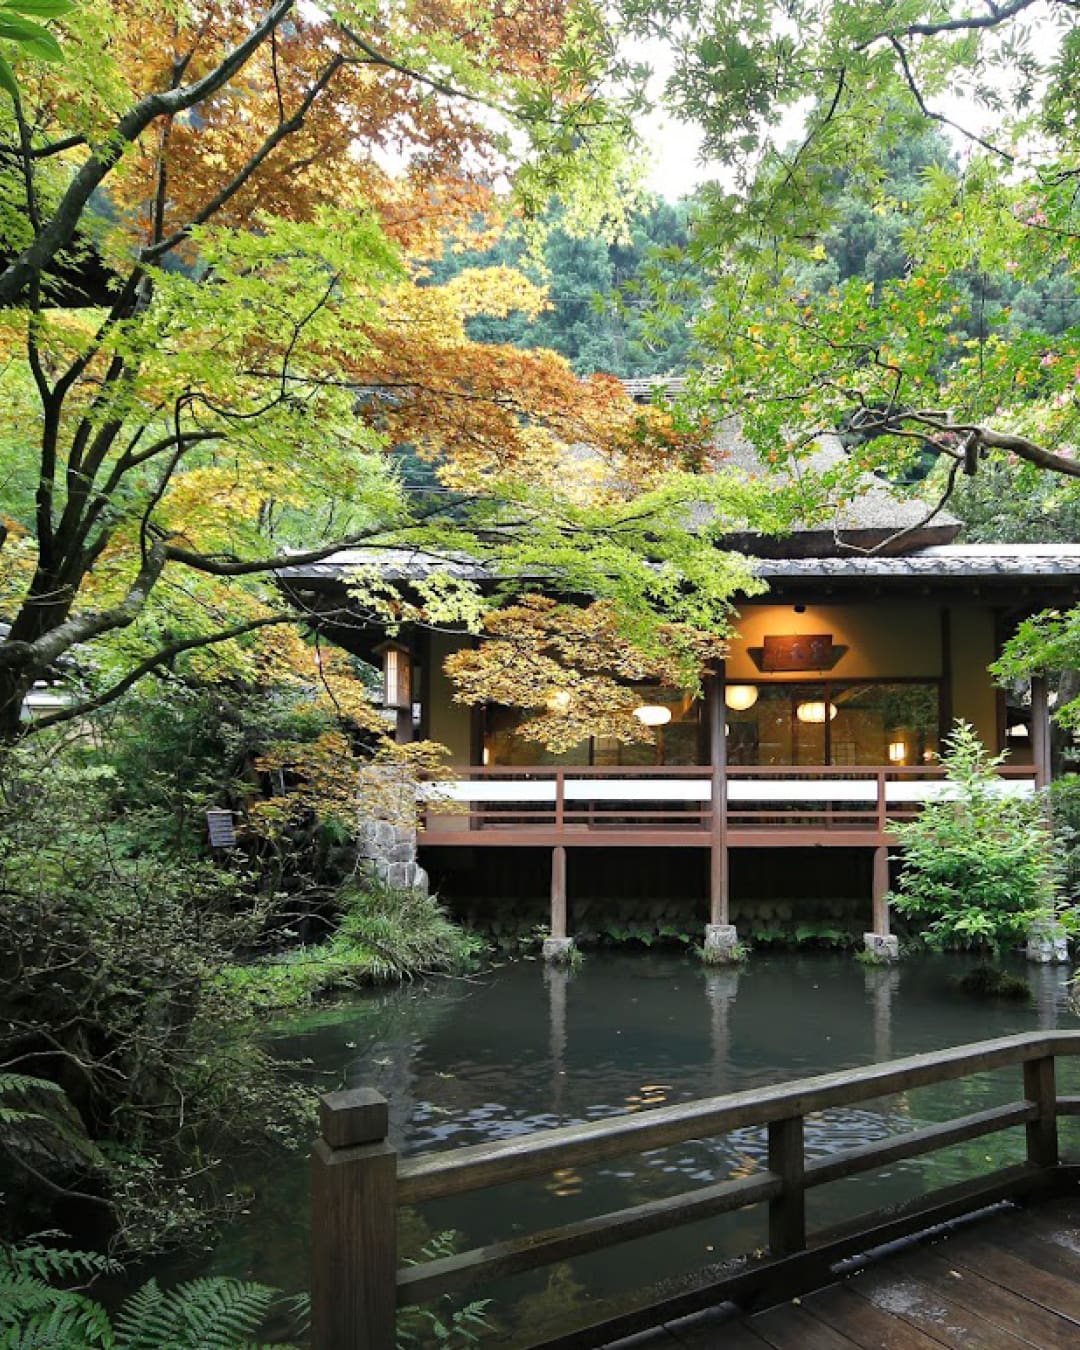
(1026,1295)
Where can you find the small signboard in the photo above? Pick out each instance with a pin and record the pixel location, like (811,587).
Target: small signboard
(222,829)
(800,651)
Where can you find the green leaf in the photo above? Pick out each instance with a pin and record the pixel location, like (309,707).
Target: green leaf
(7,79)
(40,9)
(31,37)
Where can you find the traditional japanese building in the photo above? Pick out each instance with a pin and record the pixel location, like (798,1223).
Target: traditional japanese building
(824,725)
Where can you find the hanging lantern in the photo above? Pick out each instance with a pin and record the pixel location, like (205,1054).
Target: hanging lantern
(816,712)
(739,697)
(558,701)
(653,715)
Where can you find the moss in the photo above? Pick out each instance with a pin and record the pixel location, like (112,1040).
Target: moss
(383,936)
(990,982)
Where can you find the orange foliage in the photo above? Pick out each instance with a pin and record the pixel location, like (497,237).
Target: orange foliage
(572,667)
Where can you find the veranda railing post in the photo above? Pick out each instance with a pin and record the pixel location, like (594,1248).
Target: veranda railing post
(1042,1132)
(787,1213)
(354,1225)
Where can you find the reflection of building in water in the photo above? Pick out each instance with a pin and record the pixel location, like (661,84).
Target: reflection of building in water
(1050,985)
(721,988)
(556,979)
(882,982)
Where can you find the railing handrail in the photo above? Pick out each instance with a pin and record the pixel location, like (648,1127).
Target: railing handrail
(840,771)
(358,1188)
(429,1176)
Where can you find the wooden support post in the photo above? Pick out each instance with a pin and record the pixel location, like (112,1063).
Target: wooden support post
(1040,730)
(880,920)
(1042,1134)
(558,891)
(787,1213)
(719,896)
(354,1225)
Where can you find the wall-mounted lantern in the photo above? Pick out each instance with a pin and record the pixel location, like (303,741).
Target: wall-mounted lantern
(397,675)
(897,752)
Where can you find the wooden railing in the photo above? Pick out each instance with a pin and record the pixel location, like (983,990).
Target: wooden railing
(359,1183)
(560,803)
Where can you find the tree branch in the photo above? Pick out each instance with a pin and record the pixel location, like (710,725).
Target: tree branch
(231,188)
(60,230)
(152,663)
(42,653)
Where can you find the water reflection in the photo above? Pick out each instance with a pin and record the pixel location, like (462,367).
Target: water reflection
(524,1048)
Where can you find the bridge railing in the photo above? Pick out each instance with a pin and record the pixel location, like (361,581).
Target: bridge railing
(359,1184)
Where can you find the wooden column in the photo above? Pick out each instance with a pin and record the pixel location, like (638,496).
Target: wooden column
(945,704)
(880,918)
(718,852)
(558,891)
(354,1225)
(787,1213)
(1042,1133)
(1040,730)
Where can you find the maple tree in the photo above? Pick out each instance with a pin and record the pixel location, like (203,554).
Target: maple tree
(266,186)
(911,364)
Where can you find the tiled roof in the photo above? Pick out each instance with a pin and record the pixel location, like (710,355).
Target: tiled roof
(1010,561)
(1005,561)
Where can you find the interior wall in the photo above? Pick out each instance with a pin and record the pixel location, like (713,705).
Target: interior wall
(901,639)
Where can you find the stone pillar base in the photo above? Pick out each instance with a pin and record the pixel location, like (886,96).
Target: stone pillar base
(558,950)
(1048,945)
(722,943)
(882,945)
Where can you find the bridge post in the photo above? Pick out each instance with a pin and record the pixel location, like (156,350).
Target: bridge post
(1042,1132)
(354,1225)
(787,1213)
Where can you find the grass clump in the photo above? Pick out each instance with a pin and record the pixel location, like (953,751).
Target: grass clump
(736,955)
(990,982)
(383,935)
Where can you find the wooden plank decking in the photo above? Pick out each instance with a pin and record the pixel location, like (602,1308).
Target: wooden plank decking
(1008,1282)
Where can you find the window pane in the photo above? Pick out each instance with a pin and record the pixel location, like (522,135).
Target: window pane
(885,724)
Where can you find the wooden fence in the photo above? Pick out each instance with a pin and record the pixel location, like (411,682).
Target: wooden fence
(359,1184)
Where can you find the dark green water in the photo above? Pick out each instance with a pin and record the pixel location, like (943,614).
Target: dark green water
(521,1048)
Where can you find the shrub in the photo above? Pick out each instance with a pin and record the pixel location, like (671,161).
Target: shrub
(978,864)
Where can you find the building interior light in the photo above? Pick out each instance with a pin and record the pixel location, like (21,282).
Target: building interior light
(816,712)
(653,715)
(739,697)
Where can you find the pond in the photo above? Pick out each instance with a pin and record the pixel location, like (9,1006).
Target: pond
(522,1048)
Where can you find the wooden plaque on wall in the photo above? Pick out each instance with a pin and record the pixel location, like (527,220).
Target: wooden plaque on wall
(800,651)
